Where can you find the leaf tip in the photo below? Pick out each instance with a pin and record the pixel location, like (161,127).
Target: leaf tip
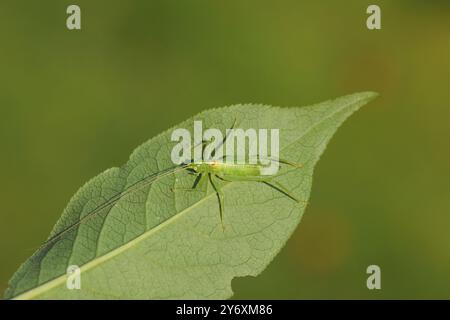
(370,95)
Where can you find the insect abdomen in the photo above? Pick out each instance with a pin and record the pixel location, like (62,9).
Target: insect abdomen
(244,170)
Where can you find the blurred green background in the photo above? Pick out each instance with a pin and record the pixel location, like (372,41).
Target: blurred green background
(74,103)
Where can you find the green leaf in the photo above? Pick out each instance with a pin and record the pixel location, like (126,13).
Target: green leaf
(158,244)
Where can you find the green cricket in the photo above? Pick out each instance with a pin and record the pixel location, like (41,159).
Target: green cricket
(211,171)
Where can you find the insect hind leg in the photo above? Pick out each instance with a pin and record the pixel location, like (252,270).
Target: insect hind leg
(280,188)
(289,163)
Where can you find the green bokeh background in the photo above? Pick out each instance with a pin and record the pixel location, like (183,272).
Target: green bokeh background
(73,103)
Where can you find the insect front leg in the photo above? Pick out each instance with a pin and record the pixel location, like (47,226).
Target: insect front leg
(199,180)
(218,190)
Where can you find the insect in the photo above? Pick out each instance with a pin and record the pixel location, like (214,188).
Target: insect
(212,171)
(231,172)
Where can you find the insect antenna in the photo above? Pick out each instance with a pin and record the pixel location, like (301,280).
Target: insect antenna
(227,134)
(114,199)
